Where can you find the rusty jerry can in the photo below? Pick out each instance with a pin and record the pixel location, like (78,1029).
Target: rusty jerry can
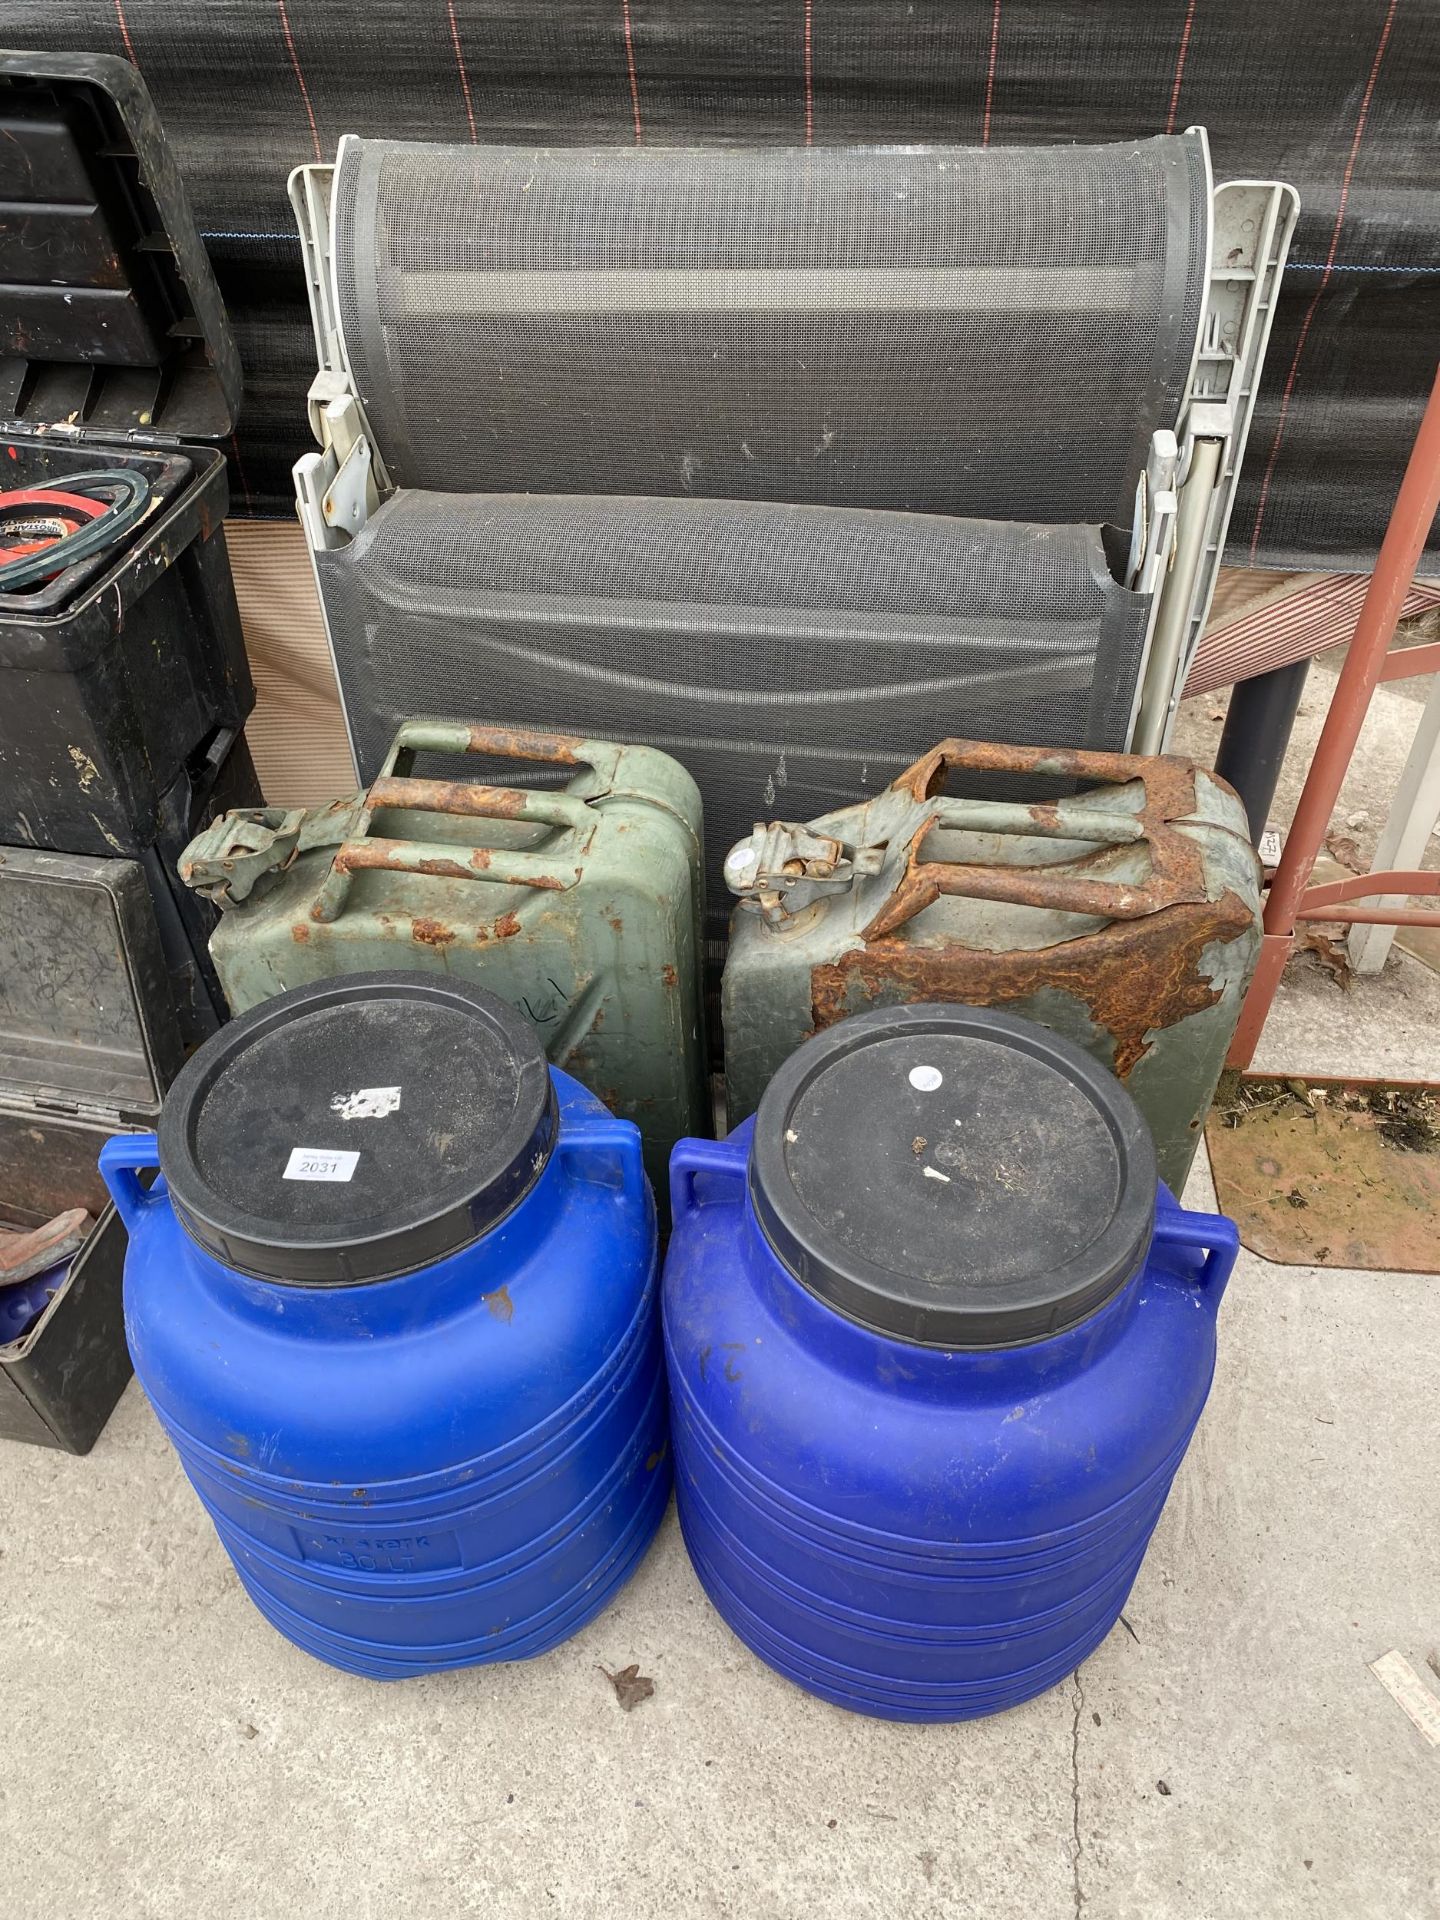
(1126,918)
(580,905)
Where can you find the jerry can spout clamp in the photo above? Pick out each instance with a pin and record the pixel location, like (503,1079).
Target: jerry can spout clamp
(784,868)
(228,860)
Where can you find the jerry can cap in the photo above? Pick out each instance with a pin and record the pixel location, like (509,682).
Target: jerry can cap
(952,1176)
(357,1128)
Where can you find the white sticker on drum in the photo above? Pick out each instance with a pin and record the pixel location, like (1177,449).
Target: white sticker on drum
(926,1079)
(320,1163)
(369,1103)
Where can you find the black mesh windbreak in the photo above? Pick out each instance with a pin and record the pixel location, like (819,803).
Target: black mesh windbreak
(1337,96)
(938,329)
(794,658)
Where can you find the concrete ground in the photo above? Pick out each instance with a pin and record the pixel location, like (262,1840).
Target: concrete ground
(167,1755)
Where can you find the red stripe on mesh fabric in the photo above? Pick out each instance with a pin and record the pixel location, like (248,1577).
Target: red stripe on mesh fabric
(1180,65)
(1289,389)
(240,470)
(299,76)
(630,64)
(125,33)
(990,74)
(460,65)
(809,75)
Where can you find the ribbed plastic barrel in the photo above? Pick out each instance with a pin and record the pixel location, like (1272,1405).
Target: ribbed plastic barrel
(393,1299)
(937,1344)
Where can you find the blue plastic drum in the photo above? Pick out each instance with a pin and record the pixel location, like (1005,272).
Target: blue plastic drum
(937,1344)
(394,1302)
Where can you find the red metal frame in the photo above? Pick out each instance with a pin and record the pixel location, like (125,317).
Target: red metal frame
(1411,661)
(1291,899)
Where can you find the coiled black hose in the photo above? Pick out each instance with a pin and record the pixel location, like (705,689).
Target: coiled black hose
(131,500)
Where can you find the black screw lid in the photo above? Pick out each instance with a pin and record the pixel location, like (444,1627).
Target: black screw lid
(953,1177)
(357,1129)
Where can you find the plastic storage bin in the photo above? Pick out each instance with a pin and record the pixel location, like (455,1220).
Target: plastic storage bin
(930,1376)
(394,1303)
(60,1379)
(88,1035)
(114,351)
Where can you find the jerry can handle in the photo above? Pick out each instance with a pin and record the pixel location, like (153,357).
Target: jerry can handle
(1177,871)
(605,1138)
(1213,1234)
(395,790)
(122,1159)
(440,861)
(501,743)
(471,800)
(926,778)
(723,1159)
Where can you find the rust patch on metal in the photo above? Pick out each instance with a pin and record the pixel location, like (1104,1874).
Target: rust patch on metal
(395,856)
(1165,775)
(300,933)
(500,1304)
(1177,869)
(518,744)
(669,976)
(617,925)
(431,933)
(449,796)
(507,926)
(1134,976)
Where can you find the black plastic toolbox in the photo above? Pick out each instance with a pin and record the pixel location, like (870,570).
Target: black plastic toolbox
(60,1380)
(89,1040)
(88,1035)
(114,351)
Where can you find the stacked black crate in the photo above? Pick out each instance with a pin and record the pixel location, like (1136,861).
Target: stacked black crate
(124,686)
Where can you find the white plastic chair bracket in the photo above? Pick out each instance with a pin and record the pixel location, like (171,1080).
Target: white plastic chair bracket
(1206,420)
(351,496)
(338,488)
(1152,537)
(1253,221)
(355,483)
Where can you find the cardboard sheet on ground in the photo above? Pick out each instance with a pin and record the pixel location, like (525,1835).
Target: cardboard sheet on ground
(1331,1173)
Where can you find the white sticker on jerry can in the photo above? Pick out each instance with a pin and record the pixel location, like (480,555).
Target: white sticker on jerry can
(320,1163)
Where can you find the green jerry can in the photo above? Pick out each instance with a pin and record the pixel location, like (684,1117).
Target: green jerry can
(1126,917)
(579,904)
